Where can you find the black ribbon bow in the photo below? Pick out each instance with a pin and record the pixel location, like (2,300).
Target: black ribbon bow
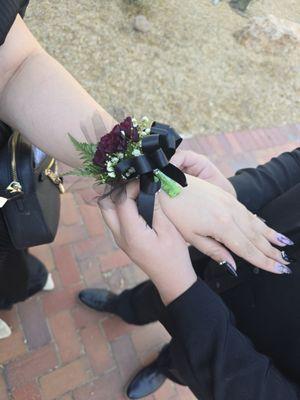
(157,148)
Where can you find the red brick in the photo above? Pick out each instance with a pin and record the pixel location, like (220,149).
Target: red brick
(193,144)
(12,347)
(66,265)
(84,316)
(275,136)
(92,247)
(29,391)
(235,146)
(70,234)
(56,280)
(126,357)
(61,299)
(108,387)
(115,280)
(93,220)
(34,324)
(66,397)
(133,275)
(44,253)
(31,366)
(224,143)
(69,211)
(216,145)
(90,269)
(205,147)
(97,349)
(114,260)
(149,337)
(3,389)
(10,317)
(65,335)
(114,327)
(246,140)
(63,380)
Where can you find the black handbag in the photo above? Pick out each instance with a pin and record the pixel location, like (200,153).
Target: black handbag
(32,213)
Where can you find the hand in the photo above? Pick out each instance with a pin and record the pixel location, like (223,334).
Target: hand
(200,166)
(160,252)
(207,216)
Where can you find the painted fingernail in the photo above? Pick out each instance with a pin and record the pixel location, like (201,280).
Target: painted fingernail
(285,240)
(287,258)
(283,269)
(230,268)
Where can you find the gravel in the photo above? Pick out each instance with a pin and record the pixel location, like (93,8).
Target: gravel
(187,70)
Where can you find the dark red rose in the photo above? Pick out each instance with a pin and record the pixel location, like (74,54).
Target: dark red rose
(135,134)
(99,158)
(113,142)
(126,127)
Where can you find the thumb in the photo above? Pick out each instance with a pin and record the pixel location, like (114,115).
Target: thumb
(216,251)
(160,221)
(190,162)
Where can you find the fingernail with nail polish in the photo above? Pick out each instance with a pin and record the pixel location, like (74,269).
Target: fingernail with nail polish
(283,269)
(287,258)
(285,240)
(230,268)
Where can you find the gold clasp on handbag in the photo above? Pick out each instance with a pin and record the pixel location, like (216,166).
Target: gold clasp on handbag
(14,187)
(55,179)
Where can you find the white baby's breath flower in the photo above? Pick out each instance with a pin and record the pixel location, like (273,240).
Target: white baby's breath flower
(120,155)
(145,119)
(115,160)
(111,174)
(109,166)
(148,130)
(134,122)
(136,152)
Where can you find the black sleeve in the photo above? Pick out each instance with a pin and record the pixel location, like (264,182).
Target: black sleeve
(9,9)
(214,358)
(256,187)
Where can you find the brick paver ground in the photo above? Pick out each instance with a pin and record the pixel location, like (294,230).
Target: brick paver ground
(61,350)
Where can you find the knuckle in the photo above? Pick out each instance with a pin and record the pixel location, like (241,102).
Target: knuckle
(269,232)
(250,250)
(224,218)
(269,264)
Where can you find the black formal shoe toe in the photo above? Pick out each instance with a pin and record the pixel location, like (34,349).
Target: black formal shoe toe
(147,381)
(98,299)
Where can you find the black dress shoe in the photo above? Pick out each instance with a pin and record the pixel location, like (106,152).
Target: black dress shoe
(147,381)
(98,299)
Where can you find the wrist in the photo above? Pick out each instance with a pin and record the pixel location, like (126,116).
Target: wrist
(231,189)
(173,284)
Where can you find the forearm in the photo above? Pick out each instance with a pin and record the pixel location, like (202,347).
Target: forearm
(44,102)
(173,283)
(214,358)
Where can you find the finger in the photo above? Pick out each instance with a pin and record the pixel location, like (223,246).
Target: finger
(273,236)
(190,162)
(277,238)
(255,233)
(161,223)
(216,251)
(127,211)
(109,214)
(235,240)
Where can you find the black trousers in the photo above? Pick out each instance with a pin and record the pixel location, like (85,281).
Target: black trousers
(142,305)
(21,274)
